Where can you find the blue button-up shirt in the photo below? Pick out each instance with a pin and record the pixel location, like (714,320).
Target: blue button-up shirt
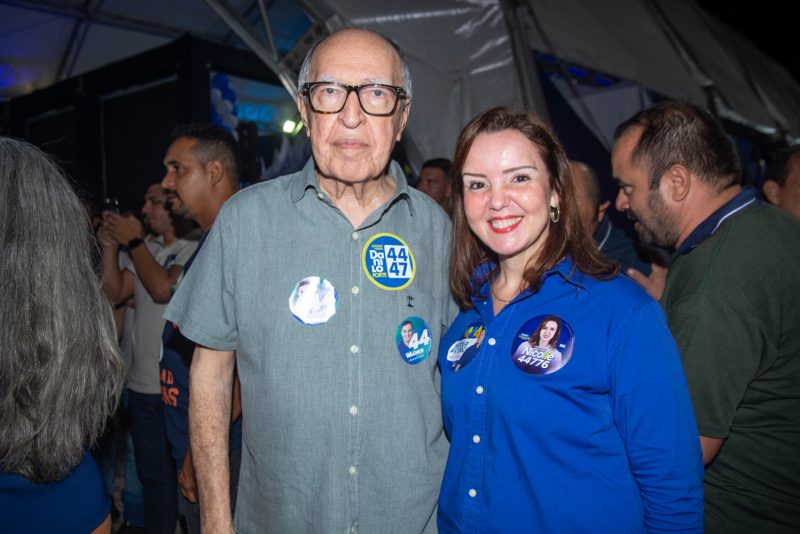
(594,432)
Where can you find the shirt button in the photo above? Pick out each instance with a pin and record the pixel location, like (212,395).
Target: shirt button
(353,348)
(492,341)
(353,470)
(472,493)
(353,410)
(355,235)
(479,390)
(476,438)
(320,196)
(355,290)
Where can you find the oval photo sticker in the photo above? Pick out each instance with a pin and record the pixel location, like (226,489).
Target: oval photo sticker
(313,300)
(413,338)
(388,262)
(465,349)
(543,345)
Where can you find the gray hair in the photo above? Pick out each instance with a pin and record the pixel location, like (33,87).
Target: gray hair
(60,372)
(305,69)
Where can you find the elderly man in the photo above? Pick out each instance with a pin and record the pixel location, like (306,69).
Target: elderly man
(731,302)
(782,181)
(342,433)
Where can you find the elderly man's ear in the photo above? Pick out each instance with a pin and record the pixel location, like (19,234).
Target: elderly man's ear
(301,107)
(404,111)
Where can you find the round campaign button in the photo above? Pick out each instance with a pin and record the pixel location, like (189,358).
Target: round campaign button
(313,300)
(413,339)
(465,349)
(388,262)
(543,345)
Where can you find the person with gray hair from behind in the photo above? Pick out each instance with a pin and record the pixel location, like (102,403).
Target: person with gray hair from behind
(61,374)
(731,303)
(304,284)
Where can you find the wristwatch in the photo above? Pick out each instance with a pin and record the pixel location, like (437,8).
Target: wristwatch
(135,242)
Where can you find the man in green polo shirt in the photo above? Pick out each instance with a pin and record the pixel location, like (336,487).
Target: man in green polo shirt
(731,302)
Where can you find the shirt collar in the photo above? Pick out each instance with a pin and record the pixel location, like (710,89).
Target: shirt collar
(564,269)
(602,233)
(308,180)
(744,200)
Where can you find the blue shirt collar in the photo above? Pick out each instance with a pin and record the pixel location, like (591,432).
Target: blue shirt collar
(744,200)
(564,269)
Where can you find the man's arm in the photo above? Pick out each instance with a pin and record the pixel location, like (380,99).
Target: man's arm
(117,283)
(155,279)
(711,448)
(211,383)
(186,478)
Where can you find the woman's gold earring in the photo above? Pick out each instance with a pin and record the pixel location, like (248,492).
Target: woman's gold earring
(555,213)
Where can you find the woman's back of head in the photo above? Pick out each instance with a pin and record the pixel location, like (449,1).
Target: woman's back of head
(60,371)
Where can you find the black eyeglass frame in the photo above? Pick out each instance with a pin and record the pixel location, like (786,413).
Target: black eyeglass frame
(399,92)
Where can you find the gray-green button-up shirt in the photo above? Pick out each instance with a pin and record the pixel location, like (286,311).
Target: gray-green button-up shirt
(342,424)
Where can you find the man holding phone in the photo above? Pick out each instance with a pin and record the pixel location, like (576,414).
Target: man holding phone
(147,273)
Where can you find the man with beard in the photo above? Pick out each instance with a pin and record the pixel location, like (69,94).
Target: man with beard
(730,299)
(202,173)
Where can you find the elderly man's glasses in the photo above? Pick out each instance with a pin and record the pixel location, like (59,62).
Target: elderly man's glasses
(375,98)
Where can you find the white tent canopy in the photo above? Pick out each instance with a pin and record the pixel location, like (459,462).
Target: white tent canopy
(465,56)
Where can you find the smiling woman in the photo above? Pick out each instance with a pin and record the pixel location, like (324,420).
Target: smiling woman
(575,405)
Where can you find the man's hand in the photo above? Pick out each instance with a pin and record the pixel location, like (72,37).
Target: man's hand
(711,448)
(122,229)
(653,284)
(105,238)
(186,479)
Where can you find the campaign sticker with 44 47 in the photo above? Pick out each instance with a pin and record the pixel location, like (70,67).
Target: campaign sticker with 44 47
(388,262)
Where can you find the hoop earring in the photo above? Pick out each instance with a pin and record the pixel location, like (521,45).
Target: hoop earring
(555,213)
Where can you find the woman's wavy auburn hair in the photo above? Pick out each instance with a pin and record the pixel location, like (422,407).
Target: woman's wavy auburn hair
(60,370)
(471,262)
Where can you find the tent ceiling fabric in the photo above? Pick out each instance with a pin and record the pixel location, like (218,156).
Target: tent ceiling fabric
(643,41)
(460,59)
(35,34)
(459,50)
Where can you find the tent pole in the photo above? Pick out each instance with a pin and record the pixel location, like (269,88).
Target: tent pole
(246,34)
(532,95)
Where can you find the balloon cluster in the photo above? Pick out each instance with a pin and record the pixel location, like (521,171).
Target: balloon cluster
(223,104)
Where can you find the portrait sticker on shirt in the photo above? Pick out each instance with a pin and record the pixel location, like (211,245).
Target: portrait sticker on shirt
(413,338)
(465,349)
(388,262)
(313,300)
(543,345)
